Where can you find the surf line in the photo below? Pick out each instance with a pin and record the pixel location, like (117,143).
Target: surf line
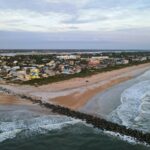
(90,119)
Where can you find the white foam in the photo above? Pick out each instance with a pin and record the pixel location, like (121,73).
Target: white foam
(59,125)
(135,105)
(34,125)
(9,135)
(125,138)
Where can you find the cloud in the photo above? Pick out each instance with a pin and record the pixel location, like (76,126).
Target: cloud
(98,20)
(78,15)
(25,20)
(84,20)
(78,3)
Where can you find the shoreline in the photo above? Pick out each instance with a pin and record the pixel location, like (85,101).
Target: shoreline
(97,122)
(9,99)
(11,103)
(80,100)
(71,100)
(103,103)
(76,93)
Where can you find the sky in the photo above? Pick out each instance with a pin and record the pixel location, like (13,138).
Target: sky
(83,24)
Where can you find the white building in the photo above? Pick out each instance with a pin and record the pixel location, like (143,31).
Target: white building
(66,57)
(100,57)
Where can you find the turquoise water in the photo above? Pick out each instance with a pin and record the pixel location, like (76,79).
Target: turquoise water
(72,137)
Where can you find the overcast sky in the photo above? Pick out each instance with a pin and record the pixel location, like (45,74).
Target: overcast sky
(99,24)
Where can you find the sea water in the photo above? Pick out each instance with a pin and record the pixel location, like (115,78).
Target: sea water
(14,122)
(134,111)
(21,128)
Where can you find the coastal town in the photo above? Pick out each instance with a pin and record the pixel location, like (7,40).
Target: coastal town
(91,88)
(20,68)
(74,74)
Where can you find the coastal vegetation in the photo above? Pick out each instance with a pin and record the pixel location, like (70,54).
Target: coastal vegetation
(84,73)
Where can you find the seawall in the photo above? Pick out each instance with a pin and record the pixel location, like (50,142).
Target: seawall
(90,119)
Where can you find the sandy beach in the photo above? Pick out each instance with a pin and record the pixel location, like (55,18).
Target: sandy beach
(6,99)
(14,103)
(103,103)
(77,100)
(78,94)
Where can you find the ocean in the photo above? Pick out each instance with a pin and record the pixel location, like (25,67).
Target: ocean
(134,111)
(57,133)
(23,128)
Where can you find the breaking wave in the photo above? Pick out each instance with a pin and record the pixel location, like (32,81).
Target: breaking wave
(41,124)
(134,110)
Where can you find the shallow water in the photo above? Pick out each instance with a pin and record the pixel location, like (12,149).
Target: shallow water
(18,119)
(23,129)
(134,110)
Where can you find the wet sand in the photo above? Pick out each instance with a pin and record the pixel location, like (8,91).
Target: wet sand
(78,100)
(103,103)
(13,103)
(6,99)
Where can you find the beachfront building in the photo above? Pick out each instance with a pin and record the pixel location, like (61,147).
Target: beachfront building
(93,62)
(67,70)
(143,58)
(51,64)
(21,75)
(121,61)
(125,61)
(34,73)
